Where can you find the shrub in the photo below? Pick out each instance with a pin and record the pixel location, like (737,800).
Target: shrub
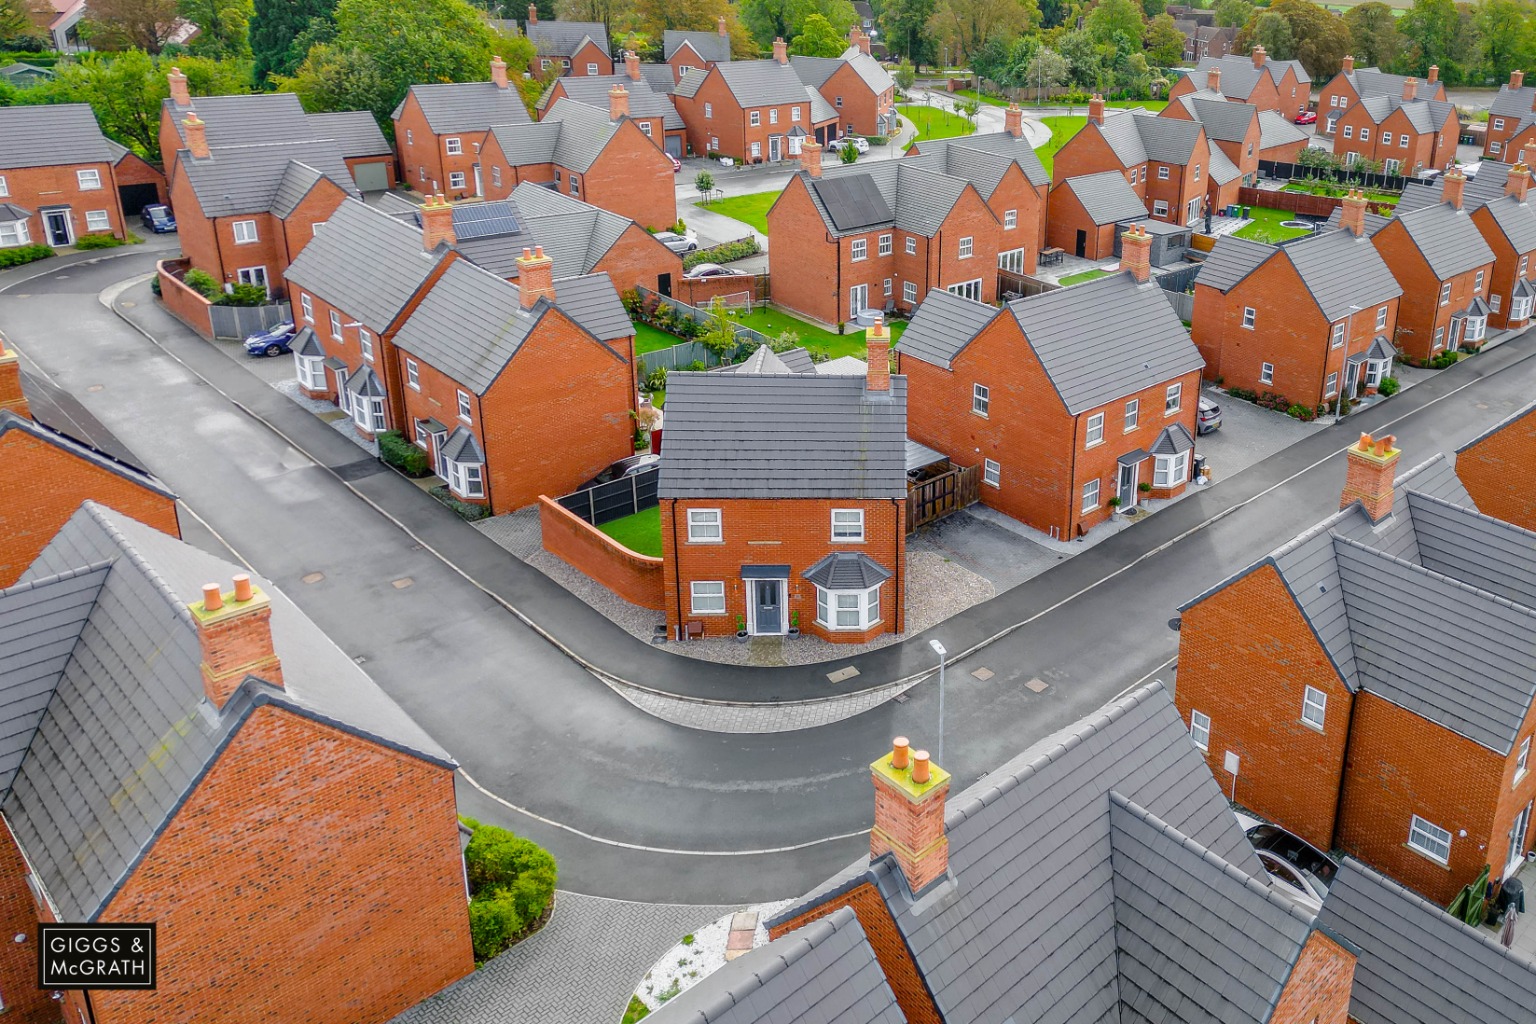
(202,282)
(463,509)
(243,295)
(403,455)
(24,254)
(1443,360)
(98,241)
(848,155)
(1270,400)
(1302,412)
(697,366)
(631,299)
(1243,394)
(1388,386)
(511,881)
(154,285)
(656,380)
(493,924)
(680,228)
(738,250)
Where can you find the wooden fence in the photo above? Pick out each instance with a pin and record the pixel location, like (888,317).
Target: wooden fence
(1021,284)
(614,499)
(943,495)
(1292,202)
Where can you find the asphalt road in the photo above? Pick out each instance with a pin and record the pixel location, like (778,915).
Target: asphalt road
(533,728)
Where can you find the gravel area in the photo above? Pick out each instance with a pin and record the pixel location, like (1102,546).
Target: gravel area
(290,387)
(688,963)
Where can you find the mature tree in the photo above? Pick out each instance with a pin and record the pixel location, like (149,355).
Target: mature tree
(993,59)
(1082,56)
(1233,13)
(904,25)
(1152,8)
(131,24)
(1165,43)
(225,26)
(275,24)
(1116,17)
(20,18)
(1046,69)
(817,38)
(609,12)
(1131,73)
(656,16)
(966,24)
(1431,27)
(1054,13)
(1373,29)
(1273,32)
(1504,32)
(1317,37)
(768,20)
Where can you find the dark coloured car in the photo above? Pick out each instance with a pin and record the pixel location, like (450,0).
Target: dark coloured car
(274,341)
(624,467)
(157,218)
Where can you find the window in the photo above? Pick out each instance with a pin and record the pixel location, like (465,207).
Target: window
(1132,413)
(496,173)
(410,137)
(1250,150)
(1197,172)
(1477,327)
(1429,839)
(591,69)
(839,103)
(575,185)
(965,247)
(453,147)
(794,114)
(1162,174)
(1445,294)
(1402,141)
(1090,495)
(1498,123)
(1170,470)
(456,179)
(911,246)
(365,342)
(1331,386)
(908,291)
(1267,373)
(1343,102)
(308,307)
(1381,318)
(860,249)
(708,598)
(1173,399)
(847,524)
(245,232)
(464,478)
(1249,316)
(544,64)
(887,287)
(1333,101)
(335,325)
(1349,131)
(96,220)
(1365,135)
(848,609)
(1495,301)
(1010,219)
(1314,707)
(1477,284)
(1524,260)
(773,115)
(1439,337)
(757,149)
(14,233)
(755,118)
(991,473)
(1012,260)
(714,143)
(311,372)
(368,413)
(709,110)
(704,526)
(1200,729)
(5,189)
(885,245)
(645,127)
(1159,207)
(464,413)
(1523,759)
(413,374)
(1495,147)
(967,290)
(1386,138)
(89,179)
(981,399)
(565,62)
(1095,430)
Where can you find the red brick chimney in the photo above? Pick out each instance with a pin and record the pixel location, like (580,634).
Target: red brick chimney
(632,64)
(1013,121)
(235,632)
(1213,78)
(197,136)
(618,103)
(180,94)
(863,43)
(535,277)
(1518,182)
(1434,74)
(436,222)
(720,28)
(1352,213)
(1259,56)
(533,14)
(780,51)
(877,344)
(1136,253)
(1410,89)
(1348,67)
(1452,185)
(1516,79)
(1096,108)
(810,158)
(1370,474)
(499,72)
(11,397)
(909,814)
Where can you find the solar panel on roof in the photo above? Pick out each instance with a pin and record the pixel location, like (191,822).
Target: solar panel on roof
(484,220)
(852,201)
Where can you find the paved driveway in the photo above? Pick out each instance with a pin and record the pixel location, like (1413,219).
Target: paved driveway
(1248,435)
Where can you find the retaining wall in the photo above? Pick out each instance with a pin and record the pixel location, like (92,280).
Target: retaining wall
(634,577)
(187,305)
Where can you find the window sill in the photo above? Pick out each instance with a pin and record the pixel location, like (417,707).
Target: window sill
(1315,728)
(1095,508)
(1428,856)
(705,542)
(708,615)
(980,415)
(846,540)
(1518,776)
(1092,445)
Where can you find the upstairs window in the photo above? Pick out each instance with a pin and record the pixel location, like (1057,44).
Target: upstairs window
(1314,707)
(453,147)
(981,399)
(245,232)
(89,178)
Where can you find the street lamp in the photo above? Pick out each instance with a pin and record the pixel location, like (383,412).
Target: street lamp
(938,649)
(1340,399)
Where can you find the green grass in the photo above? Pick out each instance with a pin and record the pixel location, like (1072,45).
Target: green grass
(1062,128)
(652,339)
(749,209)
(641,532)
(1388,198)
(817,339)
(636,1011)
(1266,226)
(932,123)
(998,101)
(1087,275)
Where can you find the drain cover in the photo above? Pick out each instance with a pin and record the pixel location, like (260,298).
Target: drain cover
(1037,685)
(314,577)
(402,582)
(843,674)
(983,674)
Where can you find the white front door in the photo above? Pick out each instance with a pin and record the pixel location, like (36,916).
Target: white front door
(1517,841)
(479,185)
(858,300)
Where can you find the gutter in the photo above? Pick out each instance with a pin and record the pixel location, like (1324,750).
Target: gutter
(677,574)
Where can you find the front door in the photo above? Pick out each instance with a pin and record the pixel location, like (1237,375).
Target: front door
(1454,342)
(767,603)
(56,224)
(1082,243)
(1517,842)
(773,148)
(256,276)
(479,185)
(1127,488)
(664,284)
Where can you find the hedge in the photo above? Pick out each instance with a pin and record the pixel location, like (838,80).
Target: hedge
(24,254)
(98,241)
(465,510)
(403,455)
(511,882)
(738,250)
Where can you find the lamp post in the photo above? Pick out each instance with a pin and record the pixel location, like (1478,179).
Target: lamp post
(938,649)
(1344,395)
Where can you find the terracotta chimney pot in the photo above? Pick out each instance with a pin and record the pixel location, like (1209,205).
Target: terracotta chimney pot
(499,72)
(535,277)
(437,222)
(1348,67)
(909,816)
(877,342)
(1453,185)
(632,65)
(197,137)
(235,634)
(180,94)
(810,158)
(1370,475)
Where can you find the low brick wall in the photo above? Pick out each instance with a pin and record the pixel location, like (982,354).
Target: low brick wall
(187,305)
(1292,202)
(635,578)
(701,292)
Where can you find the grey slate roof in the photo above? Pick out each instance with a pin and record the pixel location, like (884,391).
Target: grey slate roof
(690,82)
(1446,237)
(765,360)
(848,570)
(462,447)
(1417,964)
(1275,130)
(794,436)
(564,38)
(255,178)
(124,719)
(355,131)
(916,198)
(1231,260)
(1374,222)
(54,135)
(824,973)
(1122,133)
(1376,82)
(943,326)
(1223,169)
(821,110)
(293,186)
(592,91)
(1172,440)
(758,83)
(1106,197)
(468,106)
(814,71)
(1223,120)
(985,156)
(1517,221)
(1167,140)
(374,290)
(1341,270)
(10,213)
(572,135)
(245,119)
(1239,76)
(870,70)
(711,46)
(1105,339)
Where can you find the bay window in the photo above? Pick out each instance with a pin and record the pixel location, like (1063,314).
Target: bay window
(848,609)
(1170,470)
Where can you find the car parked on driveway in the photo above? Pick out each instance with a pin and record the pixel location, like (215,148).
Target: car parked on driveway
(157,218)
(858,142)
(1307,117)
(1297,869)
(1209,416)
(623,468)
(704,270)
(677,243)
(274,341)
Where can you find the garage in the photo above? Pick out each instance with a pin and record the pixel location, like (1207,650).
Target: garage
(674,146)
(371,177)
(135,197)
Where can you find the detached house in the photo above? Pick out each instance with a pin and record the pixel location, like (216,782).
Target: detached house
(685,51)
(1324,675)
(1279,85)
(1405,134)
(754,110)
(1071,400)
(1351,85)
(1512,112)
(56,177)
(784,502)
(1508,224)
(440,128)
(569,47)
(857,87)
(1495,468)
(648,105)
(1298,319)
(187,748)
(1242,132)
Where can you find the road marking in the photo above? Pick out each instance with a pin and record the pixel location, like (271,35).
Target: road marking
(1137,684)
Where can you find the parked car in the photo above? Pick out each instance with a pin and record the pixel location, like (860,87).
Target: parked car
(858,142)
(677,164)
(1209,416)
(711,270)
(157,218)
(677,243)
(274,341)
(1302,871)
(1307,117)
(624,467)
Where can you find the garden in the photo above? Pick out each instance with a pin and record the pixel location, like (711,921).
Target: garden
(658,326)
(750,209)
(511,888)
(933,123)
(640,532)
(1062,128)
(1268,226)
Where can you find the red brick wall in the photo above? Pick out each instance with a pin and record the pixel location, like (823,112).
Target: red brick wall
(188,306)
(19,915)
(1420,312)
(792,531)
(807,276)
(306,852)
(704,291)
(1029,203)
(638,259)
(1419,153)
(1319,986)
(1085,153)
(860,105)
(591,54)
(421,161)
(1500,474)
(1506,268)
(1520,146)
(32,188)
(1338,87)
(686,57)
(298,228)
(133,169)
(194,231)
(634,577)
(1516,790)
(633,178)
(1067,218)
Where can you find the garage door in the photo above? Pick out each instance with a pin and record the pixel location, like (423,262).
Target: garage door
(675,146)
(136,197)
(371,177)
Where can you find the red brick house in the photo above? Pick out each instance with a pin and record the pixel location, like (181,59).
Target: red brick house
(763,533)
(45,435)
(649,107)
(518,390)
(753,110)
(1279,85)
(598,156)
(57,177)
(1508,225)
(1324,674)
(857,87)
(1243,133)
(1306,320)
(878,235)
(1495,468)
(247,741)
(684,51)
(1405,134)
(1070,400)
(1351,85)
(439,129)
(568,47)
(1512,111)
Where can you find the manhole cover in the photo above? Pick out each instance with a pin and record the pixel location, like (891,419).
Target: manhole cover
(901,698)
(1036,685)
(843,674)
(983,674)
(402,582)
(314,577)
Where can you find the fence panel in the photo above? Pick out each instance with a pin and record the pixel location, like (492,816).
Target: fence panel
(240,322)
(942,496)
(1180,280)
(1021,284)
(613,500)
(1183,304)
(1344,176)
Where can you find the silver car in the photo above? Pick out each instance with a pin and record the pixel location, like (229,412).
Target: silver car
(677,243)
(1297,870)
(711,270)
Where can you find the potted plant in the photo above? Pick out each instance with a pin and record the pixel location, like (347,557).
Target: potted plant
(1145,489)
(1114,504)
(794,625)
(741,629)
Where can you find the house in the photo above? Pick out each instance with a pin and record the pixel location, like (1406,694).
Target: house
(1096,876)
(439,129)
(63,24)
(1508,225)
(1324,676)
(649,107)
(784,502)
(21,75)
(189,749)
(1242,132)
(858,88)
(46,435)
(1494,467)
(600,156)
(568,47)
(1072,401)
(1351,85)
(1512,112)
(1279,85)
(518,390)
(56,177)
(1297,319)
(1202,41)
(753,110)
(684,51)
(368,155)
(876,235)
(1086,212)
(1405,134)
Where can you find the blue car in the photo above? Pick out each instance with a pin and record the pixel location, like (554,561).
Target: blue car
(158,219)
(274,341)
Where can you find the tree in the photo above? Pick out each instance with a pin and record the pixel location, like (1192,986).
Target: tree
(131,24)
(817,38)
(1317,37)
(905,76)
(1111,17)
(704,182)
(967,24)
(1165,43)
(1504,33)
(1082,57)
(19,18)
(609,12)
(1152,8)
(654,17)
(905,25)
(1373,29)
(1273,32)
(275,24)
(1431,27)
(1047,69)
(1233,13)
(224,26)
(1054,13)
(768,20)
(993,59)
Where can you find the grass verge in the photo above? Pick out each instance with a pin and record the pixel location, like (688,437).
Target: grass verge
(750,209)
(641,532)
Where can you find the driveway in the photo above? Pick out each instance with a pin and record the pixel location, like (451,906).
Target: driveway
(1248,435)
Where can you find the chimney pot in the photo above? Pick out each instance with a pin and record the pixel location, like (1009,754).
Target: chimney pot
(533,14)
(1013,121)
(618,103)
(877,343)
(900,749)
(12,399)
(1096,108)
(909,815)
(1370,475)
(1213,78)
(499,72)
(213,598)
(1136,253)
(535,277)
(437,222)
(236,639)
(1349,65)
(197,137)
(920,766)
(781,51)
(243,589)
(1352,217)
(810,158)
(1516,80)
(180,94)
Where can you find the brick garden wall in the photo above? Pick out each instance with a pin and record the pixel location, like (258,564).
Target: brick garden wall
(188,306)
(634,577)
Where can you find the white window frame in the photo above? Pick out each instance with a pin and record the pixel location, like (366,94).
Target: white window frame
(1162,174)
(5,189)
(706,526)
(991,473)
(847,526)
(1337,340)
(1386,138)
(336,325)
(908,291)
(410,137)
(1523,759)
(466,409)
(1095,433)
(1266,373)
(757,149)
(967,290)
(1424,837)
(1498,124)
(709,110)
(967,247)
(308,306)
(1010,219)
(14,234)
(1314,708)
(858,250)
(368,413)
(1091,492)
(456,179)
(1445,294)
(1173,399)
(423,436)
(465,479)
(1159,207)
(1250,317)
(1331,385)
(453,146)
(1011,260)
(981,400)
(794,114)
(1476,328)
(310,371)
(1477,282)
(1439,338)
(412,375)
(88,178)
(863,604)
(1132,414)
(911,245)
(1349,131)
(704,590)
(754,119)
(1365,134)
(885,245)
(773,115)
(245,232)
(1170,470)
(645,127)
(1200,729)
(365,342)
(887,288)
(1381,318)
(496,173)
(591,68)
(97,220)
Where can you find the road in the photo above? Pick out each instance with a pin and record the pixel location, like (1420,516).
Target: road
(540,733)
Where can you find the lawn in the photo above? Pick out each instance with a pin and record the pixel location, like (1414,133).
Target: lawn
(651,339)
(749,209)
(1087,275)
(641,532)
(997,101)
(773,323)
(1266,226)
(932,123)
(1062,128)
(1381,198)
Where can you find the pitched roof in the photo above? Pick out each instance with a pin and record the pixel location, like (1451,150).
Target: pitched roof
(870,70)
(943,326)
(689,84)
(572,135)
(1341,270)
(815,71)
(984,159)
(564,38)
(765,360)
(1106,197)
(1122,133)
(1446,237)
(1275,130)
(907,194)
(1226,121)
(1167,140)
(55,135)
(785,436)
(592,91)
(1425,115)
(848,570)
(758,83)
(245,119)
(1239,76)
(711,46)
(1231,260)
(355,131)
(256,178)
(1376,82)
(1223,169)
(1516,103)
(467,106)
(374,290)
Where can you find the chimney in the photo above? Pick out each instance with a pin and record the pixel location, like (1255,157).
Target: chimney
(11,397)
(618,103)
(1516,79)
(877,344)
(1410,89)
(1518,182)
(1096,108)
(810,158)
(235,632)
(1352,214)
(720,28)
(1136,253)
(853,35)
(197,136)
(499,72)
(909,814)
(864,43)
(1434,74)
(1213,78)
(1013,121)
(180,94)
(1370,474)
(1259,56)
(1452,184)
(535,276)
(533,14)
(436,222)
(780,51)
(1348,67)
(632,65)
